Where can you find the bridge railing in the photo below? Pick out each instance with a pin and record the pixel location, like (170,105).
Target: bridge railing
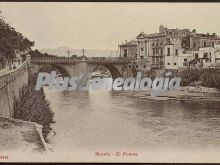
(75,60)
(54,60)
(108,59)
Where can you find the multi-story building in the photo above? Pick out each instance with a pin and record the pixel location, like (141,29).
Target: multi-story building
(128,49)
(158,46)
(195,41)
(172,53)
(206,57)
(175,33)
(151,46)
(172,49)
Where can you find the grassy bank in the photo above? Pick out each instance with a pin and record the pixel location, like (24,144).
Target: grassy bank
(31,105)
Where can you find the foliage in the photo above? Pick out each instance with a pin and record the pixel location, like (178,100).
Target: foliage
(209,77)
(11,41)
(189,76)
(31,105)
(37,53)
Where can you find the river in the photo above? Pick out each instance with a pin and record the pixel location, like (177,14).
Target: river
(103,120)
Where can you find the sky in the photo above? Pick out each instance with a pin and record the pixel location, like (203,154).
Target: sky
(104,25)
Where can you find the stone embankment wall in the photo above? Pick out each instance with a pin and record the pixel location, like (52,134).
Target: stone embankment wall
(10,85)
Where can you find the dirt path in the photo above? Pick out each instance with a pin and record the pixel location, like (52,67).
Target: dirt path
(16,135)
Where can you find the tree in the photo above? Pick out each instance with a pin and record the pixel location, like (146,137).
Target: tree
(11,41)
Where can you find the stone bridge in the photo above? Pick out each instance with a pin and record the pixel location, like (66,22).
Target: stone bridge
(69,67)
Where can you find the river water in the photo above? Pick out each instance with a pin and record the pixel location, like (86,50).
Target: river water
(103,120)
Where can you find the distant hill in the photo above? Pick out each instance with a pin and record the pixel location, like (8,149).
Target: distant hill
(62,51)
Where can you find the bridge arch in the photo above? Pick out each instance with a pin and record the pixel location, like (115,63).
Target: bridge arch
(114,71)
(62,70)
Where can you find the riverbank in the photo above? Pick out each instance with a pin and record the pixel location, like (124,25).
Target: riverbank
(21,136)
(199,89)
(182,94)
(187,92)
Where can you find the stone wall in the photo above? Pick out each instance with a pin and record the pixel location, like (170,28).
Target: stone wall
(10,84)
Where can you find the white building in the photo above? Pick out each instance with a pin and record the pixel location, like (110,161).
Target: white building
(207,57)
(173,51)
(178,58)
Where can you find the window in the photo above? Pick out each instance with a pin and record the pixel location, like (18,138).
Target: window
(136,66)
(194,45)
(144,66)
(153,44)
(185,59)
(205,55)
(176,52)
(153,51)
(129,66)
(196,56)
(204,44)
(168,51)
(161,51)
(168,63)
(174,63)
(125,52)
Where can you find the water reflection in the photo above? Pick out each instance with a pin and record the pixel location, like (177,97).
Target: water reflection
(104,120)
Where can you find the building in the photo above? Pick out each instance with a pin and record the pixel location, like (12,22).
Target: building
(172,52)
(128,49)
(175,33)
(157,46)
(206,57)
(174,48)
(151,46)
(171,49)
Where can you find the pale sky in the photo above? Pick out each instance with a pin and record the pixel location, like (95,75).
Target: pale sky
(104,25)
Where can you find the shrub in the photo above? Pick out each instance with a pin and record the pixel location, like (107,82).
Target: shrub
(31,105)
(189,76)
(209,77)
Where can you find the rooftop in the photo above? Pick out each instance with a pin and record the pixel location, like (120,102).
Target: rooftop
(144,35)
(130,43)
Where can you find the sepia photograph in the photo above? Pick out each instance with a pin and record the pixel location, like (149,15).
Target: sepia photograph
(110,82)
